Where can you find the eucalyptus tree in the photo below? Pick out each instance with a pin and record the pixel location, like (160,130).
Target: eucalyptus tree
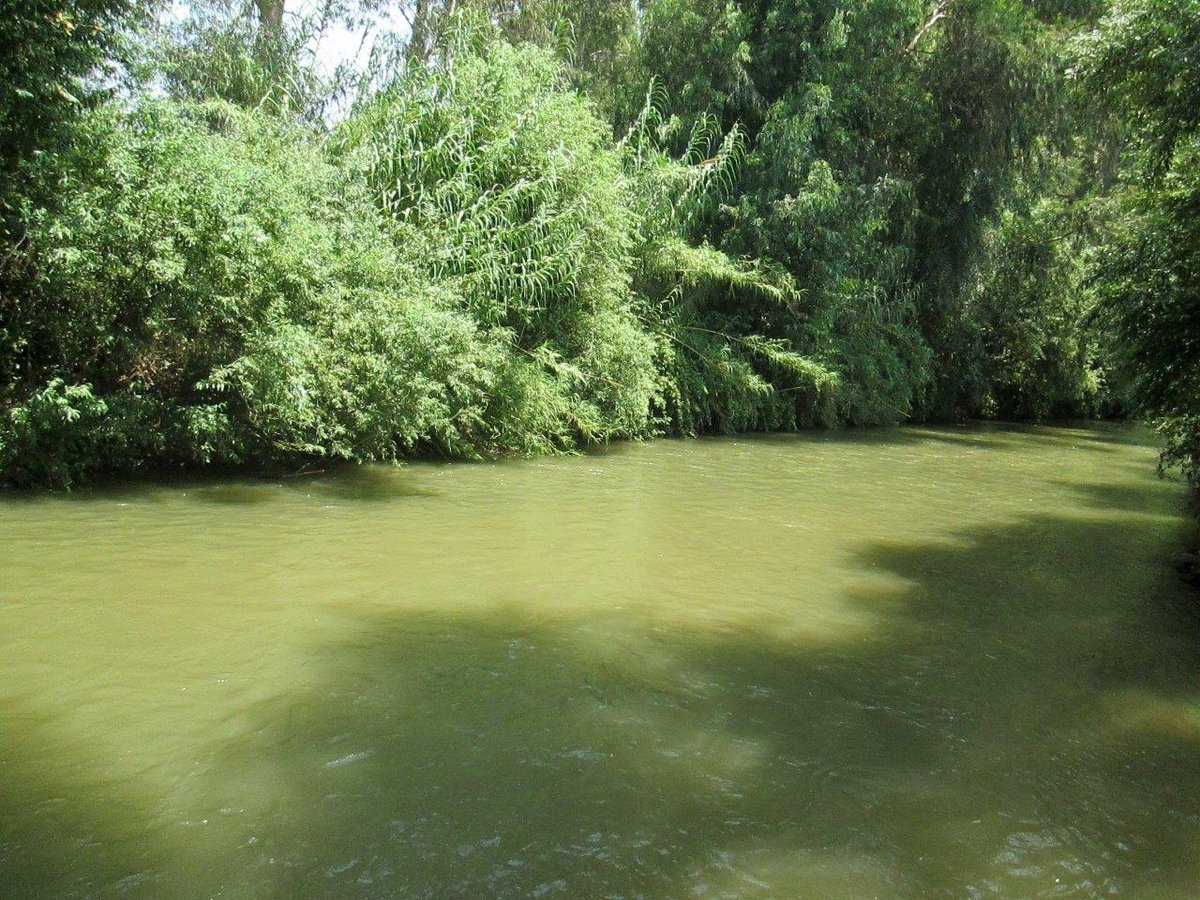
(253,53)
(270,15)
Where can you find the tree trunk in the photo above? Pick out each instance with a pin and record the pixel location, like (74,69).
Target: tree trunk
(418,36)
(270,15)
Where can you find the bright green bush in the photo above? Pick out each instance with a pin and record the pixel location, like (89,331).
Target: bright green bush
(521,209)
(218,286)
(584,251)
(221,269)
(470,265)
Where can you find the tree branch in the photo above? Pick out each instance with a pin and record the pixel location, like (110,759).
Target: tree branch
(939,13)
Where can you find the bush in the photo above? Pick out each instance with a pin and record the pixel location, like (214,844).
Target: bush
(522,210)
(468,266)
(221,269)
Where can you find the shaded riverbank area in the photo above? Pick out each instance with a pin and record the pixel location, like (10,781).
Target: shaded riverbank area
(921,662)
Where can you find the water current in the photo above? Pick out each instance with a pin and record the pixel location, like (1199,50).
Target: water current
(927,662)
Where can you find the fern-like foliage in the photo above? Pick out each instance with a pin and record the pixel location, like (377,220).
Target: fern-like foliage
(716,374)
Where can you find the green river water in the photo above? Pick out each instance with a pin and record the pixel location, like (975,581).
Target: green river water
(897,664)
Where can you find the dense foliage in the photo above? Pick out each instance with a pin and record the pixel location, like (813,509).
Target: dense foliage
(542,225)
(222,284)
(1143,61)
(51,47)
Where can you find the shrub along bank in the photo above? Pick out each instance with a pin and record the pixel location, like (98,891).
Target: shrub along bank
(468,266)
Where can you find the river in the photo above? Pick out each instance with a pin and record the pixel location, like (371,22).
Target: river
(923,662)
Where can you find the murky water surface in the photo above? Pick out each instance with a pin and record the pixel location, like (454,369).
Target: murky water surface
(902,664)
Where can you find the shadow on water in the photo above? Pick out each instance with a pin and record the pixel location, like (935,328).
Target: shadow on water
(375,483)
(66,830)
(1003,737)
(382,482)
(1022,725)
(366,483)
(992,437)
(1127,497)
